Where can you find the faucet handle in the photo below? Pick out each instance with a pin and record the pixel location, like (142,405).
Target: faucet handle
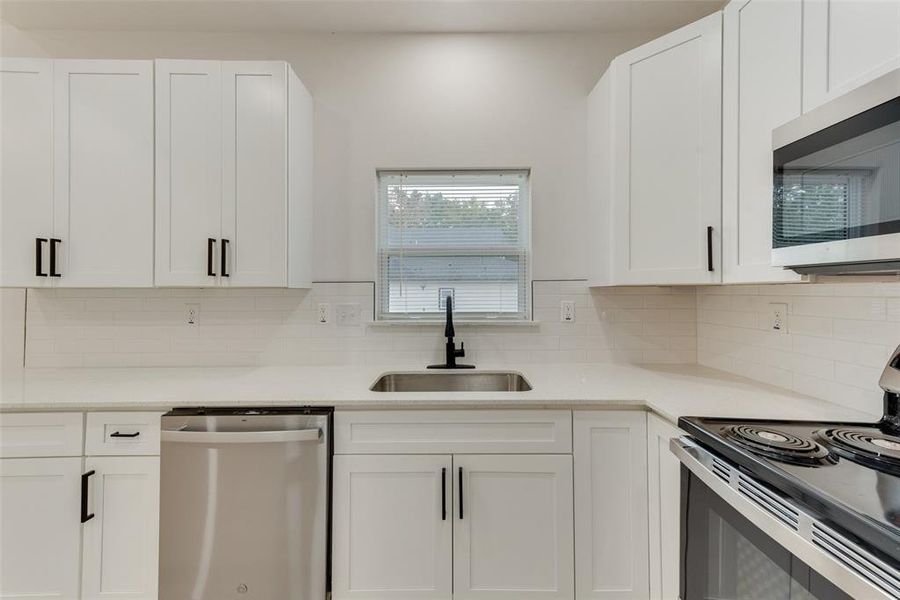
(462,350)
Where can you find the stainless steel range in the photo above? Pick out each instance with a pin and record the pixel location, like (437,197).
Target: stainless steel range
(792,509)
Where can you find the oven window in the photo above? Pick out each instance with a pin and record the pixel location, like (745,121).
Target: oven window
(840,183)
(726,557)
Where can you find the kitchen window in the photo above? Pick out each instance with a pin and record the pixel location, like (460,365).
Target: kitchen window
(462,234)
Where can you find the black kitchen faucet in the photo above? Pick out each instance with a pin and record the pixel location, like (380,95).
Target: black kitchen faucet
(452,352)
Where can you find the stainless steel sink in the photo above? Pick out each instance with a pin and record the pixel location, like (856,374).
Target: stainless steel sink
(459,381)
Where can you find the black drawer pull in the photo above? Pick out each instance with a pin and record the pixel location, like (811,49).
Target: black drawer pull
(444,494)
(53,243)
(85,517)
(223,270)
(125,435)
(460,494)
(210,249)
(709,248)
(39,257)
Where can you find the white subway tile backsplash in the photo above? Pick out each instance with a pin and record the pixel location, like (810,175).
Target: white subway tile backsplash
(273,326)
(839,335)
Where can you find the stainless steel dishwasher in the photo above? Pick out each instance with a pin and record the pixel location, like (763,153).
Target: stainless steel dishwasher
(245,500)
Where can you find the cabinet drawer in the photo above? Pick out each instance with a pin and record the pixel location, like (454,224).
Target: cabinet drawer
(122,433)
(453,431)
(40,434)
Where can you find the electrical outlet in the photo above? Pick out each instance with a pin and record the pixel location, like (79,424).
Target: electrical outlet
(191,313)
(778,317)
(324,314)
(567,311)
(347,314)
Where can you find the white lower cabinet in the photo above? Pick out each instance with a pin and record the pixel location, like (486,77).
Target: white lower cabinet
(512,533)
(442,526)
(462,504)
(75,526)
(663,475)
(121,541)
(41,533)
(610,452)
(392,527)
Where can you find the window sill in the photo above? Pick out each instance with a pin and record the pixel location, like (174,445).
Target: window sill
(456,322)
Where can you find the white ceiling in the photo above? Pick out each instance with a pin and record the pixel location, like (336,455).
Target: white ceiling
(356,15)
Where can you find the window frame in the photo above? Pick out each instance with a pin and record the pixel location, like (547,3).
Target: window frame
(382,289)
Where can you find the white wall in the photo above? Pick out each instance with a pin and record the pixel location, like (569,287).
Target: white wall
(411,101)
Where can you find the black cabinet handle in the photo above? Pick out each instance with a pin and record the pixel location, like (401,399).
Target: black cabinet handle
(460,494)
(39,257)
(210,249)
(53,243)
(443,493)
(85,517)
(125,435)
(223,270)
(709,248)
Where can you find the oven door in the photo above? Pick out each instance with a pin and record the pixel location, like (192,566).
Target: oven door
(726,557)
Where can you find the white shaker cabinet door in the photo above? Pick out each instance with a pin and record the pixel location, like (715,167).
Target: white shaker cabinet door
(39,518)
(513,527)
(392,536)
(121,541)
(610,452)
(667,173)
(103,173)
(845,44)
(188,172)
(254,188)
(664,473)
(762,76)
(26,162)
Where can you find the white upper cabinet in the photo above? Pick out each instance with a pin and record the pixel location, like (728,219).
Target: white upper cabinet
(77,192)
(762,81)
(233,172)
(255,154)
(845,44)
(103,173)
(600,160)
(667,175)
(188,170)
(26,161)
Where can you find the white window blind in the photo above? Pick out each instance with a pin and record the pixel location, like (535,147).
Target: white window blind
(464,234)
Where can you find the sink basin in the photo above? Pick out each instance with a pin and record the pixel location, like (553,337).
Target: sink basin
(461,381)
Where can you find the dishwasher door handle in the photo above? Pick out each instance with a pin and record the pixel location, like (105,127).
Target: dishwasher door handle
(241,437)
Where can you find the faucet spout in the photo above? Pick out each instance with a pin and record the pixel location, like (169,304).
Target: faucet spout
(452,353)
(449,332)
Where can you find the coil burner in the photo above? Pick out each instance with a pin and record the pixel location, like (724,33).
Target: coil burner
(868,446)
(779,445)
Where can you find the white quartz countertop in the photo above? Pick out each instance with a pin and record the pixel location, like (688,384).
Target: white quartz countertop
(670,391)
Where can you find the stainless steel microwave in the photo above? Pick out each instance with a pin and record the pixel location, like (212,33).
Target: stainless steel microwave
(836,184)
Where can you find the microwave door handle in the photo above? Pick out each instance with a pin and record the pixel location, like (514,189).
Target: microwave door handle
(241,437)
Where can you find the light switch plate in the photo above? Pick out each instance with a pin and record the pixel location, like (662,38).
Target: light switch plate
(347,314)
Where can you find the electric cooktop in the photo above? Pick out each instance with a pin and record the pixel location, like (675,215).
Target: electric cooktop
(848,473)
